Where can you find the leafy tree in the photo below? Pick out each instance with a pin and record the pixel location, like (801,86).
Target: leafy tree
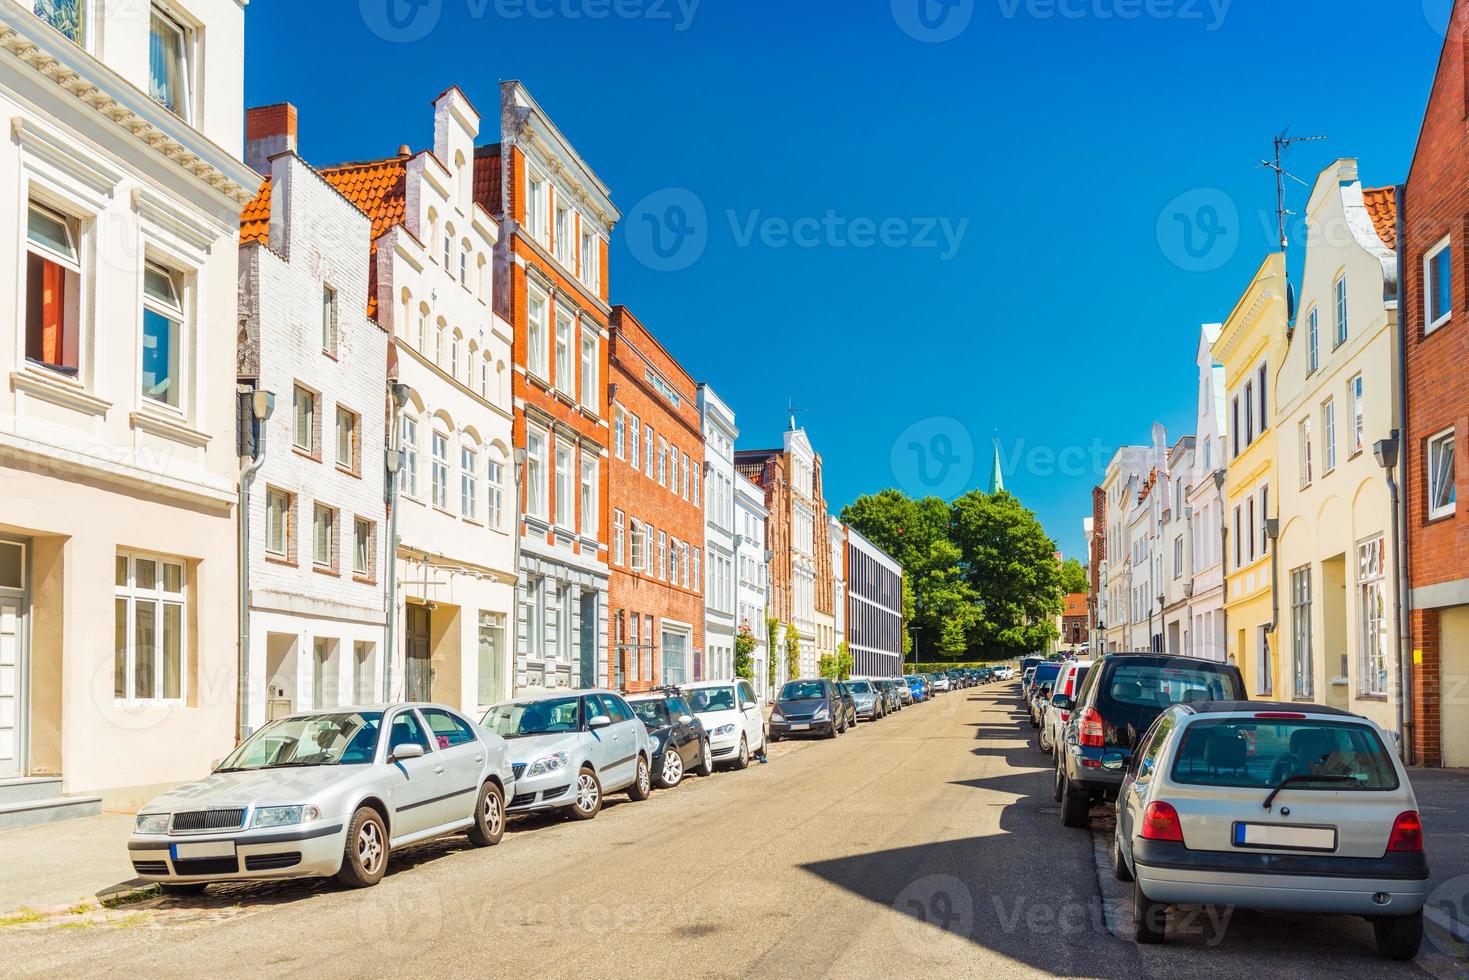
(1074,578)
(793,653)
(844,661)
(772,627)
(744,645)
(1009,562)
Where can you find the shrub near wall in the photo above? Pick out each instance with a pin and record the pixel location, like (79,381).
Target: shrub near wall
(934,668)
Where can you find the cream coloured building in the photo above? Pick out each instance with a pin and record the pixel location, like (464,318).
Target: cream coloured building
(1205,502)
(1337,394)
(118,460)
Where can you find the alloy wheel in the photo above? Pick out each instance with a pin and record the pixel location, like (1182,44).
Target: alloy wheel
(494,814)
(586,792)
(672,766)
(370,847)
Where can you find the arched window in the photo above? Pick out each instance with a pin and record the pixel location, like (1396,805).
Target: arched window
(449,249)
(454,343)
(464,252)
(484,377)
(495,489)
(440,342)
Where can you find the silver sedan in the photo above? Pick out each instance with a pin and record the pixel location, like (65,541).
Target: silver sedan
(328,793)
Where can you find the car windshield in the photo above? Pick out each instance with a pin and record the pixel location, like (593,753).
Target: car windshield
(653,711)
(517,719)
(803,691)
(1045,673)
(860,687)
(1261,753)
(712,699)
(1160,685)
(341,739)
(913,679)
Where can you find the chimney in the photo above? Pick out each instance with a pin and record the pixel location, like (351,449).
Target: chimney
(269,131)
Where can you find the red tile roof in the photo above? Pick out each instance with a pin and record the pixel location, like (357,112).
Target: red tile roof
(487,180)
(1075,604)
(378,188)
(255,219)
(1382,205)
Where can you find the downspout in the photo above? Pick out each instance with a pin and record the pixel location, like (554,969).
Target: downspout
(1403,599)
(1397,544)
(392,464)
(518,459)
(247,476)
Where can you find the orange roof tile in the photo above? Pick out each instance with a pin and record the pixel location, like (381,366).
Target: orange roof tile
(1382,205)
(255,219)
(1075,604)
(377,188)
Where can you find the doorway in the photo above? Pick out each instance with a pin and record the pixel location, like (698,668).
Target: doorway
(418,654)
(14,657)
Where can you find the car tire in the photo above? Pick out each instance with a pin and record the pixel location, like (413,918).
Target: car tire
(742,757)
(670,774)
(1120,870)
(1056,792)
(832,731)
(588,802)
(182,889)
(489,817)
(706,759)
(1075,805)
(1149,918)
(1399,936)
(642,781)
(365,855)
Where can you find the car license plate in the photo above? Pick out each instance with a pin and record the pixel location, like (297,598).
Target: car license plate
(204,849)
(800,726)
(1273,836)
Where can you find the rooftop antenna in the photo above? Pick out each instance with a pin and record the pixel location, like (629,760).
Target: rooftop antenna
(793,410)
(1283,143)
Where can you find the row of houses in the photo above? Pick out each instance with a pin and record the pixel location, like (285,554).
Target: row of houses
(1308,529)
(280,436)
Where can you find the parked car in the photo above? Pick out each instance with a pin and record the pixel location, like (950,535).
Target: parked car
(732,717)
(867,699)
(327,793)
(1067,683)
(1120,697)
(918,687)
(811,706)
(571,748)
(1042,679)
(1025,684)
(1280,806)
(904,691)
(1005,673)
(940,682)
(680,743)
(1028,662)
(849,703)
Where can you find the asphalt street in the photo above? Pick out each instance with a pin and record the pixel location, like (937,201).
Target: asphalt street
(923,845)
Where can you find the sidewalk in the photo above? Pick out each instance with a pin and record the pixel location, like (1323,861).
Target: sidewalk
(60,865)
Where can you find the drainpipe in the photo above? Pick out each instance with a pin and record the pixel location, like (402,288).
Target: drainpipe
(1220,475)
(518,461)
(1403,606)
(1272,531)
(393,462)
(1387,452)
(261,404)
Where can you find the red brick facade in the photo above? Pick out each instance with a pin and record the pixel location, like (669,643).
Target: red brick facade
(649,391)
(1436,208)
(1098,554)
(768,470)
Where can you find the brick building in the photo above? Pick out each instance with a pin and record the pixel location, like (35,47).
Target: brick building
(1074,628)
(1436,346)
(1096,533)
(655,589)
(551,271)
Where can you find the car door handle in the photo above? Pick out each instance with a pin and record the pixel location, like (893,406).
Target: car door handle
(439,770)
(479,759)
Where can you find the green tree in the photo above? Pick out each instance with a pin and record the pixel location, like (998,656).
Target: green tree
(1009,562)
(772,627)
(844,662)
(744,646)
(1074,578)
(793,653)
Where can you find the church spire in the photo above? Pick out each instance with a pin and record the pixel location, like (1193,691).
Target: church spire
(997,472)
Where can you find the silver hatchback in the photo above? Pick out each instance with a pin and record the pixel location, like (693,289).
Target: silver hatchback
(1261,805)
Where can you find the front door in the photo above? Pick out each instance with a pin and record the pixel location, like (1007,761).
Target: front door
(418,667)
(14,686)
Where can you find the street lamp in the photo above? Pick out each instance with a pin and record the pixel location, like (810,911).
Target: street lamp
(1389,452)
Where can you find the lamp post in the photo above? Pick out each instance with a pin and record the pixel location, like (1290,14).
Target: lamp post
(1161,626)
(260,404)
(1388,451)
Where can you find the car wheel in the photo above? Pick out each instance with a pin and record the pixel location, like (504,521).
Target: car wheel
(1149,918)
(1040,741)
(742,759)
(1075,805)
(642,783)
(365,858)
(706,759)
(833,731)
(588,801)
(489,817)
(1399,936)
(1119,863)
(670,774)
(184,889)
(1056,793)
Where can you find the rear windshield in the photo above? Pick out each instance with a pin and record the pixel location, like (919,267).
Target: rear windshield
(1045,673)
(1262,753)
(803,691)
(1158,686)
(860,687)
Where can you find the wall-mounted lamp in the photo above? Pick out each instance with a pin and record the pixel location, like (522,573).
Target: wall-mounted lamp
(1386,451)
(262,404)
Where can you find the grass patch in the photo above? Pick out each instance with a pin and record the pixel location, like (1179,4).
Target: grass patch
(132,897)
(24,915)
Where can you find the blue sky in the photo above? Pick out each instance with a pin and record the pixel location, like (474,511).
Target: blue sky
(1008,217)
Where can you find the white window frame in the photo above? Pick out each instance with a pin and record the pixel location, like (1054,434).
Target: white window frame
(73,265)
(1430,281)
(619,539)
(1305,448)
(1328,435)
(133,596)
(495,490)
(1373,634)
(439,469)
(369,555)
(1357,404)
(589,487)
(565,486)
(1434,475)
(354,436)
(330,562)
(564,366)
(408,443)
(188,55)
(1302,659)
(589,370)
(277,519)
(1313,340)
(536,335)
(313,401)
(537,204)
(177,314)
(1340,300)
(469,483)
(329,319)
(537,472)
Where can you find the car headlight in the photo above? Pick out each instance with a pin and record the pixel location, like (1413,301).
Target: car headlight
(283,816)
(151,823)
(820,712)
(546,764)
(657,744)
(724,730)
(777,716)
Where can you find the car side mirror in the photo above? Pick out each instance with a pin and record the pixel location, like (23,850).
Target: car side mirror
(685,719)
(1114,761)
(599,721)
(1061,702)
(408,750)
(215,764)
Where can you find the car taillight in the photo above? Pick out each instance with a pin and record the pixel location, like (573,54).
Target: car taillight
(1091,728)
(1160,822)
(1407,833)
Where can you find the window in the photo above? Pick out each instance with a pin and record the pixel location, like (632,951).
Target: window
(323,673)
(637,546)
(535,337)
(565,486)
(53,290)
(537,193)
(535,474)
(1372,609)
(1234,428)
(328,319)
(1341,311)
(633,453)
(684,563)
(694,493)
(619,531)
(1442,493)
(1328,433)
(1264,517)
(491,656)
(362,672)
(589,528)
(149,624)
(591,261)
(454,355)
(698,576)
(1300,617)
(1313,340)
(363,534)
(663,554)
(323,536)
(1249,413)
(67,16)
(169,44)
(1305,449)
(464,252)
(409,439)
(495,491)
(619,434)
(278,510)
(163,320)
(1358,435)
(1264,671)
(684,477)
(439,470)
(662,461)
(1261,377)
(303,431)
(1178,557)
(565,243)
(469,483)
(1438,286)
(347,429)
(648,451)
(1238,539)
(563,365)
(589,370)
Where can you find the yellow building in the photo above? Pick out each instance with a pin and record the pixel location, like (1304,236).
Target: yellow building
(1251,347)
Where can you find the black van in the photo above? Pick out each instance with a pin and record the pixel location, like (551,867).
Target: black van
(1118,701)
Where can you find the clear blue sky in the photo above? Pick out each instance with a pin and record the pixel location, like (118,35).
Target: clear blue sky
(1061,307)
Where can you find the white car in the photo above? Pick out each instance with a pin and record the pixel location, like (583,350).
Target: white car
(731,715)
(1053,719)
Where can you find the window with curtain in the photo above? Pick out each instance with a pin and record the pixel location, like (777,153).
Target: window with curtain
(53,286)
(1372,629)
(168,62)
(1300,600)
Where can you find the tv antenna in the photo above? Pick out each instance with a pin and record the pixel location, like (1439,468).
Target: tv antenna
(794,411)
(1283,143)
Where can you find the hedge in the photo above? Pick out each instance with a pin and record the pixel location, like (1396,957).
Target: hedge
(934,668)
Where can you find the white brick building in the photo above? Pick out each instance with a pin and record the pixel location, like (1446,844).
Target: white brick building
(720,531)
(316,519)
(753,571)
